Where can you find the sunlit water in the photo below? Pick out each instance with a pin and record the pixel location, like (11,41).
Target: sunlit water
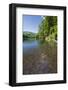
(39,57)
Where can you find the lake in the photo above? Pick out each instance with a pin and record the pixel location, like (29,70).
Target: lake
(39,57)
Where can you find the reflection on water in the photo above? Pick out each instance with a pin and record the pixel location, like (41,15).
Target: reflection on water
(28,45)
(39,57)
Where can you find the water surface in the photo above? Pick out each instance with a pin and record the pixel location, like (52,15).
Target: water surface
(39,57)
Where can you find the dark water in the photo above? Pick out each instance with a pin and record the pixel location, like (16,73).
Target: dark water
(39,57)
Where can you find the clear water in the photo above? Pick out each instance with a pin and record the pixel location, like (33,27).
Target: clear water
(39,57)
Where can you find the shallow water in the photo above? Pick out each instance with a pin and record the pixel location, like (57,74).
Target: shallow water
(39,57)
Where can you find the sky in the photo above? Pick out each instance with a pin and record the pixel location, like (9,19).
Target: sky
(31,23)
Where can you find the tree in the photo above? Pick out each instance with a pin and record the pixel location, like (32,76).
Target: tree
(48,27)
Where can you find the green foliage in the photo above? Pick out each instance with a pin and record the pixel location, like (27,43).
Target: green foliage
(48,28)
(28,35)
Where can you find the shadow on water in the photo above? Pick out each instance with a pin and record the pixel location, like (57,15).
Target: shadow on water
(39,57)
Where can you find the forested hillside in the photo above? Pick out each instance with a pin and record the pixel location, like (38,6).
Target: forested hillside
(48,28)
(28,35)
